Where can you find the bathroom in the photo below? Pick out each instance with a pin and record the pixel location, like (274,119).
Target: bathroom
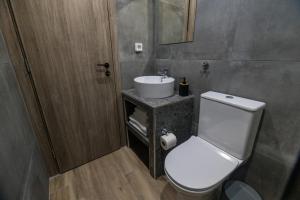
(69,93)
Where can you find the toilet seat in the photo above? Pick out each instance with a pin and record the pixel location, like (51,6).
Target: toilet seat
(198,166)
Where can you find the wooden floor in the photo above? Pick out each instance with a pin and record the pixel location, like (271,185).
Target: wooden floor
(117,176)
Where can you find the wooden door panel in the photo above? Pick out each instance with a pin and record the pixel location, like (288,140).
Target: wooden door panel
(64,40)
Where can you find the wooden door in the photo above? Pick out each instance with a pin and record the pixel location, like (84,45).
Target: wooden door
(64,40)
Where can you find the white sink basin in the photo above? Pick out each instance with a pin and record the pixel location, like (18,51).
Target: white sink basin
(154,86)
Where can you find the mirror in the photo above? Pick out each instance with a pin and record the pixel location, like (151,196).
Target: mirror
(176,21)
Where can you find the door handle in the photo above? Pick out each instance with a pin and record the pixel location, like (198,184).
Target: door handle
(106,66)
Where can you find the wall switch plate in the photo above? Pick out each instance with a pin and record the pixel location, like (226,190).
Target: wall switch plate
(138,47)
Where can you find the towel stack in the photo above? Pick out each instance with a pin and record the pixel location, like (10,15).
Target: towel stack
(139,120)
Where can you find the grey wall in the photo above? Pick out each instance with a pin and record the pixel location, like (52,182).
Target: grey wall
(22,172)
(253,48)
(135,24)
(293,187)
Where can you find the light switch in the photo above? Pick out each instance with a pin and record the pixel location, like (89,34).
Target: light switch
(138,47)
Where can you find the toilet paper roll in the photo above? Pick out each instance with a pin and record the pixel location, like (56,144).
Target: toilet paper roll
(168,141)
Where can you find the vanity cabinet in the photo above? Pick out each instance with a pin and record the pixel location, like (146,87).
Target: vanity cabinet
(173,113)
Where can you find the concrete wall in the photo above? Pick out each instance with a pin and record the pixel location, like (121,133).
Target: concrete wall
(22,172)
(253,49)
(135,24)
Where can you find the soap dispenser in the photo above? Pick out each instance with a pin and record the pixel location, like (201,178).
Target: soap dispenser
(184,88)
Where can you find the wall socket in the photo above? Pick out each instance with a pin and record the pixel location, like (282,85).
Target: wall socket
(138,47)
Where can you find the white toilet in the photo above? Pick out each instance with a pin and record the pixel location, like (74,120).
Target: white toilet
(226,133)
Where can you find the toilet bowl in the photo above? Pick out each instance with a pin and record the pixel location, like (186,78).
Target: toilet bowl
(197,167)
(226,133)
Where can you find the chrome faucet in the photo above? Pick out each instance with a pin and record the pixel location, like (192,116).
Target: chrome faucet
(164,74)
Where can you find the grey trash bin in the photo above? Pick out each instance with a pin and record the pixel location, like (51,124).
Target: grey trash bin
(237,190)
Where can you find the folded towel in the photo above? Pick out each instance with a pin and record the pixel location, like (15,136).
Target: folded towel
(140,116)
(142,121)
(141,126)
(138,128)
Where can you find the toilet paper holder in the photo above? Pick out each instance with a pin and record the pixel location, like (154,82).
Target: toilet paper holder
(165,131)
(167,139)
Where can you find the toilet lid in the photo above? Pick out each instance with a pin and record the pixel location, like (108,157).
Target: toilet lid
(198,165)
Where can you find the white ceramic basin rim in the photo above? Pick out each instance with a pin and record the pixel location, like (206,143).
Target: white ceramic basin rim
(154,86)
(153,80)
